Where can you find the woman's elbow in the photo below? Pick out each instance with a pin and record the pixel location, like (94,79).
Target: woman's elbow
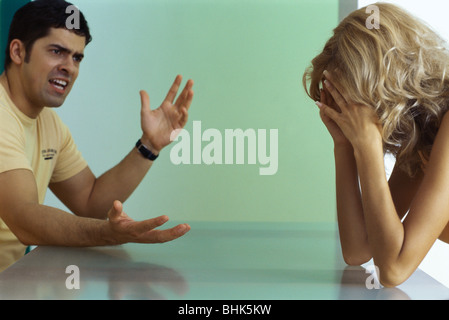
(389,276)
(355,260)
(392,276)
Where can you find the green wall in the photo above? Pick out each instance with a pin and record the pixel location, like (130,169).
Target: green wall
(247,58)
(7,10)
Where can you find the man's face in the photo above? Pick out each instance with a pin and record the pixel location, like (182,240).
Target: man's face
(52,67)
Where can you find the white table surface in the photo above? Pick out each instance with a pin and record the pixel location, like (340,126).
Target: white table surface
(215,261)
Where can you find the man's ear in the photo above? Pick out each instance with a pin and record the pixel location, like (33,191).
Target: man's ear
(17,51)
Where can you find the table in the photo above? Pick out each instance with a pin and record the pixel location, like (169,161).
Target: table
(214,261)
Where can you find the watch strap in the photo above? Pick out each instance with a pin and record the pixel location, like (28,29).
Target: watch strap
(144,151)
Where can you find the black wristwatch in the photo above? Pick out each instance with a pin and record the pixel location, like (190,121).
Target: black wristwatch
(145,152)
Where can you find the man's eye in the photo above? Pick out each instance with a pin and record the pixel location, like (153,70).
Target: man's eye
(56,51)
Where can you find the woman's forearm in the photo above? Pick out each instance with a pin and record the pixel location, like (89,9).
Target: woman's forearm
(384,227)
(351,222)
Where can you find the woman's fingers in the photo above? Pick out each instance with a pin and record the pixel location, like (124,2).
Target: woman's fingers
(329,112)
(340,100)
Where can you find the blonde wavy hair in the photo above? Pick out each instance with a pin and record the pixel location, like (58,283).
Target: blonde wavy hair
(400,69)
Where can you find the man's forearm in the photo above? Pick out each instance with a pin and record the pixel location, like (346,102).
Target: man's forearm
(117,184)
(50,226)
(42,225)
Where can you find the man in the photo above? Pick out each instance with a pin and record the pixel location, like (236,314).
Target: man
(37,151)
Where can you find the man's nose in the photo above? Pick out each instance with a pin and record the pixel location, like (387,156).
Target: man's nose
(68,66)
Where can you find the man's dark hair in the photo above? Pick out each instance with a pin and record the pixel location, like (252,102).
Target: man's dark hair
(34,21)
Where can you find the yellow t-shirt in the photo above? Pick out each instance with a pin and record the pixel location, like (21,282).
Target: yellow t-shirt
(44,146)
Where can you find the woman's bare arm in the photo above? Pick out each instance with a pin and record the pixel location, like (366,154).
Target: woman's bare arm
(397,248)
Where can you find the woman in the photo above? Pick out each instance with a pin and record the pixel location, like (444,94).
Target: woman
(387,90)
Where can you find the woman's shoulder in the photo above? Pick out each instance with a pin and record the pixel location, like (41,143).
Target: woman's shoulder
(440,147)
(444,126)
(445,118)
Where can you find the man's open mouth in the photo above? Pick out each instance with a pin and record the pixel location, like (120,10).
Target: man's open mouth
(59,84)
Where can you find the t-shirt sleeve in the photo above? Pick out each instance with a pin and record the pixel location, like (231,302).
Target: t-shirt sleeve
(12,144)
(70,161)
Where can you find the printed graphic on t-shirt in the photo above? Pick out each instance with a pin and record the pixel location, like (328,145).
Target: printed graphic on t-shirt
(48,154)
